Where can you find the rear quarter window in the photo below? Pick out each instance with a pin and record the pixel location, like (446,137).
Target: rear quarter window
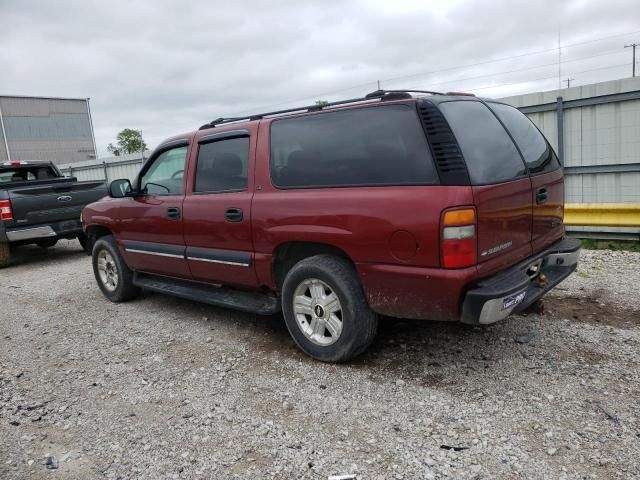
(489,153)
(537,153)
(356,147)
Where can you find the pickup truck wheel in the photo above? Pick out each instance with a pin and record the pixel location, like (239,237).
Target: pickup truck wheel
(5,255)
(114,277)
(325,309)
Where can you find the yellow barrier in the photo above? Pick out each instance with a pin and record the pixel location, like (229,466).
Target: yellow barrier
(602,214)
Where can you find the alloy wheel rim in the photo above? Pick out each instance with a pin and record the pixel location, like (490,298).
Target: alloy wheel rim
(318,312)
(107,270)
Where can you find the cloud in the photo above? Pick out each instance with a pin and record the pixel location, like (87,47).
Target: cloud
(166,67)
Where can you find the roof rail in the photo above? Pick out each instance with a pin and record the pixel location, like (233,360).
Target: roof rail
(378,95)
(387,93)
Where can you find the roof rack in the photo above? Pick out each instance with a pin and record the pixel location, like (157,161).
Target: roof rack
(378,95)
(386,93)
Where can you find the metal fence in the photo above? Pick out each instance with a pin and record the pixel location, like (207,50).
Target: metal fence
(107,169)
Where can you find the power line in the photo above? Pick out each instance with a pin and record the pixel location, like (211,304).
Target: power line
(609,52)
(486,62)
(568,80)
(545,78)
(506,58)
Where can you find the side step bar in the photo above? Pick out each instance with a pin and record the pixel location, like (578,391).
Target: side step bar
(252,302)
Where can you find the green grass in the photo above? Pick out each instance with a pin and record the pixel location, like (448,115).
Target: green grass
(618,245)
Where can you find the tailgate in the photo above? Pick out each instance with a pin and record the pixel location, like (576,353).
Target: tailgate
(502,189)
(52,203)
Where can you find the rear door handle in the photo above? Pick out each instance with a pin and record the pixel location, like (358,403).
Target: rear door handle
(173,213)
(541,195)
(233,215)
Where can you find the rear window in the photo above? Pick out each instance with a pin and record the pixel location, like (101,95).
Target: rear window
(537,153)
(490,154)
(24,174)
(367,146)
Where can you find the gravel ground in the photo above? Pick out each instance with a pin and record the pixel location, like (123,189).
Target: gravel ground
(165,388)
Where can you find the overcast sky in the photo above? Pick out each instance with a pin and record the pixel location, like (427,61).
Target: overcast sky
(165,66)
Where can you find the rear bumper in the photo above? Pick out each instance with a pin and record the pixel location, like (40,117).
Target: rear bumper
(516,288)
(67,228)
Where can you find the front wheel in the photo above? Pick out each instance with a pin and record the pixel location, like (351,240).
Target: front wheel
(325,309)
(114,277)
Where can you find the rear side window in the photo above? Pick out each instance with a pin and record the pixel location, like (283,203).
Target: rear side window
(24,174)
(366,146)
(490,154)
(222,166)
(537,153)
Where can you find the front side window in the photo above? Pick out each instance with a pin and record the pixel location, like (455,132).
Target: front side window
(222,166)
(357,147)
(166,174)
(537,153)
(489,153)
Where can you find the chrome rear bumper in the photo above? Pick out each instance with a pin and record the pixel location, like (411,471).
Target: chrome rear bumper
(30,233)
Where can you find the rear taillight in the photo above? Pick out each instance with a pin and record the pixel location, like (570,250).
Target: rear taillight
(459,246)
(5,210)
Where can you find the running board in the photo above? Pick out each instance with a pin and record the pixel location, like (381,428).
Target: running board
(252,302)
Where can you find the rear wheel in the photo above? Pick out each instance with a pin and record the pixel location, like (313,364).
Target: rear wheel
(325,309)
(5,255)
(114,277)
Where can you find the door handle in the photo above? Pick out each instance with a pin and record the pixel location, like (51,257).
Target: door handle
(541,195)
(233,215)
(173,213)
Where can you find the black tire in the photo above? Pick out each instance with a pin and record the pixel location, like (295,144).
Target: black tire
(82,238)
(123,289)
(359,322)
(47,243)
(5,255)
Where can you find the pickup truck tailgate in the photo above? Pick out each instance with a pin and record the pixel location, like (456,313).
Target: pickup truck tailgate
(52,203)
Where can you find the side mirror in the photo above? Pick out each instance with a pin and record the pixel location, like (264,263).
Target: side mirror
(120,188)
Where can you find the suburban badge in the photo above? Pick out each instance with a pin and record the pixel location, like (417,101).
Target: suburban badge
(496,249)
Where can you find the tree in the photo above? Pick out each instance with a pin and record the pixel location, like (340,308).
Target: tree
(128,141)
(322,103)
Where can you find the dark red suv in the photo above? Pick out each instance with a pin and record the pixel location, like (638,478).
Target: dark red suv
(408,204)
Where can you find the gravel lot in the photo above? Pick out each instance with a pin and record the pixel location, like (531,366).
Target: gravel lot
(165,388)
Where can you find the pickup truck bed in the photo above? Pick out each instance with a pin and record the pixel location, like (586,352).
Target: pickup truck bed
(39,205)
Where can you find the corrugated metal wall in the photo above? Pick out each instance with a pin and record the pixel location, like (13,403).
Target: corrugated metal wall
(47,129)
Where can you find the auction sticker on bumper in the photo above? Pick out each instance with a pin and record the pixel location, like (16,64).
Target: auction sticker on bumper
(513,300)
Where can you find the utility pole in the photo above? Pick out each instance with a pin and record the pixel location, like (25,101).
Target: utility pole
(569,80)
(633,68)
